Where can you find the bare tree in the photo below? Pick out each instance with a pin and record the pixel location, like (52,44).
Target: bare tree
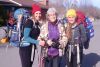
(85,6)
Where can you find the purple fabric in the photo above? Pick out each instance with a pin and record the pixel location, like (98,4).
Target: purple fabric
(53,52)
(53,31)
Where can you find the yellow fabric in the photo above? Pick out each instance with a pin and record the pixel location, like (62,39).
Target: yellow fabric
(4,40)
(71,13)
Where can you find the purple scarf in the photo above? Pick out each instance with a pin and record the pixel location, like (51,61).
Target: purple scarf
(53,31)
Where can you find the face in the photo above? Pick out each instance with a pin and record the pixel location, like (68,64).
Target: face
(71,19)
(37,15)
(52,17)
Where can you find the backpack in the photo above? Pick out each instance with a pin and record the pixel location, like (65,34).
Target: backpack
(89,28)
(81,18)
(16,38)
(3,35)
(89,32)
(64,20)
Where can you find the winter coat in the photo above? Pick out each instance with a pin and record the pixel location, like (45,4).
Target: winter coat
(78,33)
(44,33)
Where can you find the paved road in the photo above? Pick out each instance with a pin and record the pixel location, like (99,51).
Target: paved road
(92,55)
(10,57)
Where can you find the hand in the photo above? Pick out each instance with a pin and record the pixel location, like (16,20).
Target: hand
(61,46)
(41,43)
(39,38)
(65,39)
(49,42)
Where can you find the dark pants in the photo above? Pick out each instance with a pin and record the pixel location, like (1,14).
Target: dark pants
(25,56)
(52,62)
(62,61)
(73,62)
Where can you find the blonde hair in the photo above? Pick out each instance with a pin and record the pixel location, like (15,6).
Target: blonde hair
(69,31)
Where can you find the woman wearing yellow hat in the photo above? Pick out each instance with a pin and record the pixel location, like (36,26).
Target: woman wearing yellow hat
(76,35)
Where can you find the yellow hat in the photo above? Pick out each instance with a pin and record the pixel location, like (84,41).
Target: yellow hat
(71,13)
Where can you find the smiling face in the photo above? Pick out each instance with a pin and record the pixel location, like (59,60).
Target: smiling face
(37,15)
(71,19)
(52,17)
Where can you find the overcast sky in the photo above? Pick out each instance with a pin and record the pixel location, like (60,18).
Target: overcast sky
(96,3)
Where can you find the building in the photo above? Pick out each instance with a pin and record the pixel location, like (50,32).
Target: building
(7,6)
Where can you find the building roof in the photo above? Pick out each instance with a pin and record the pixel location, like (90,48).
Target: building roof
(25,3)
